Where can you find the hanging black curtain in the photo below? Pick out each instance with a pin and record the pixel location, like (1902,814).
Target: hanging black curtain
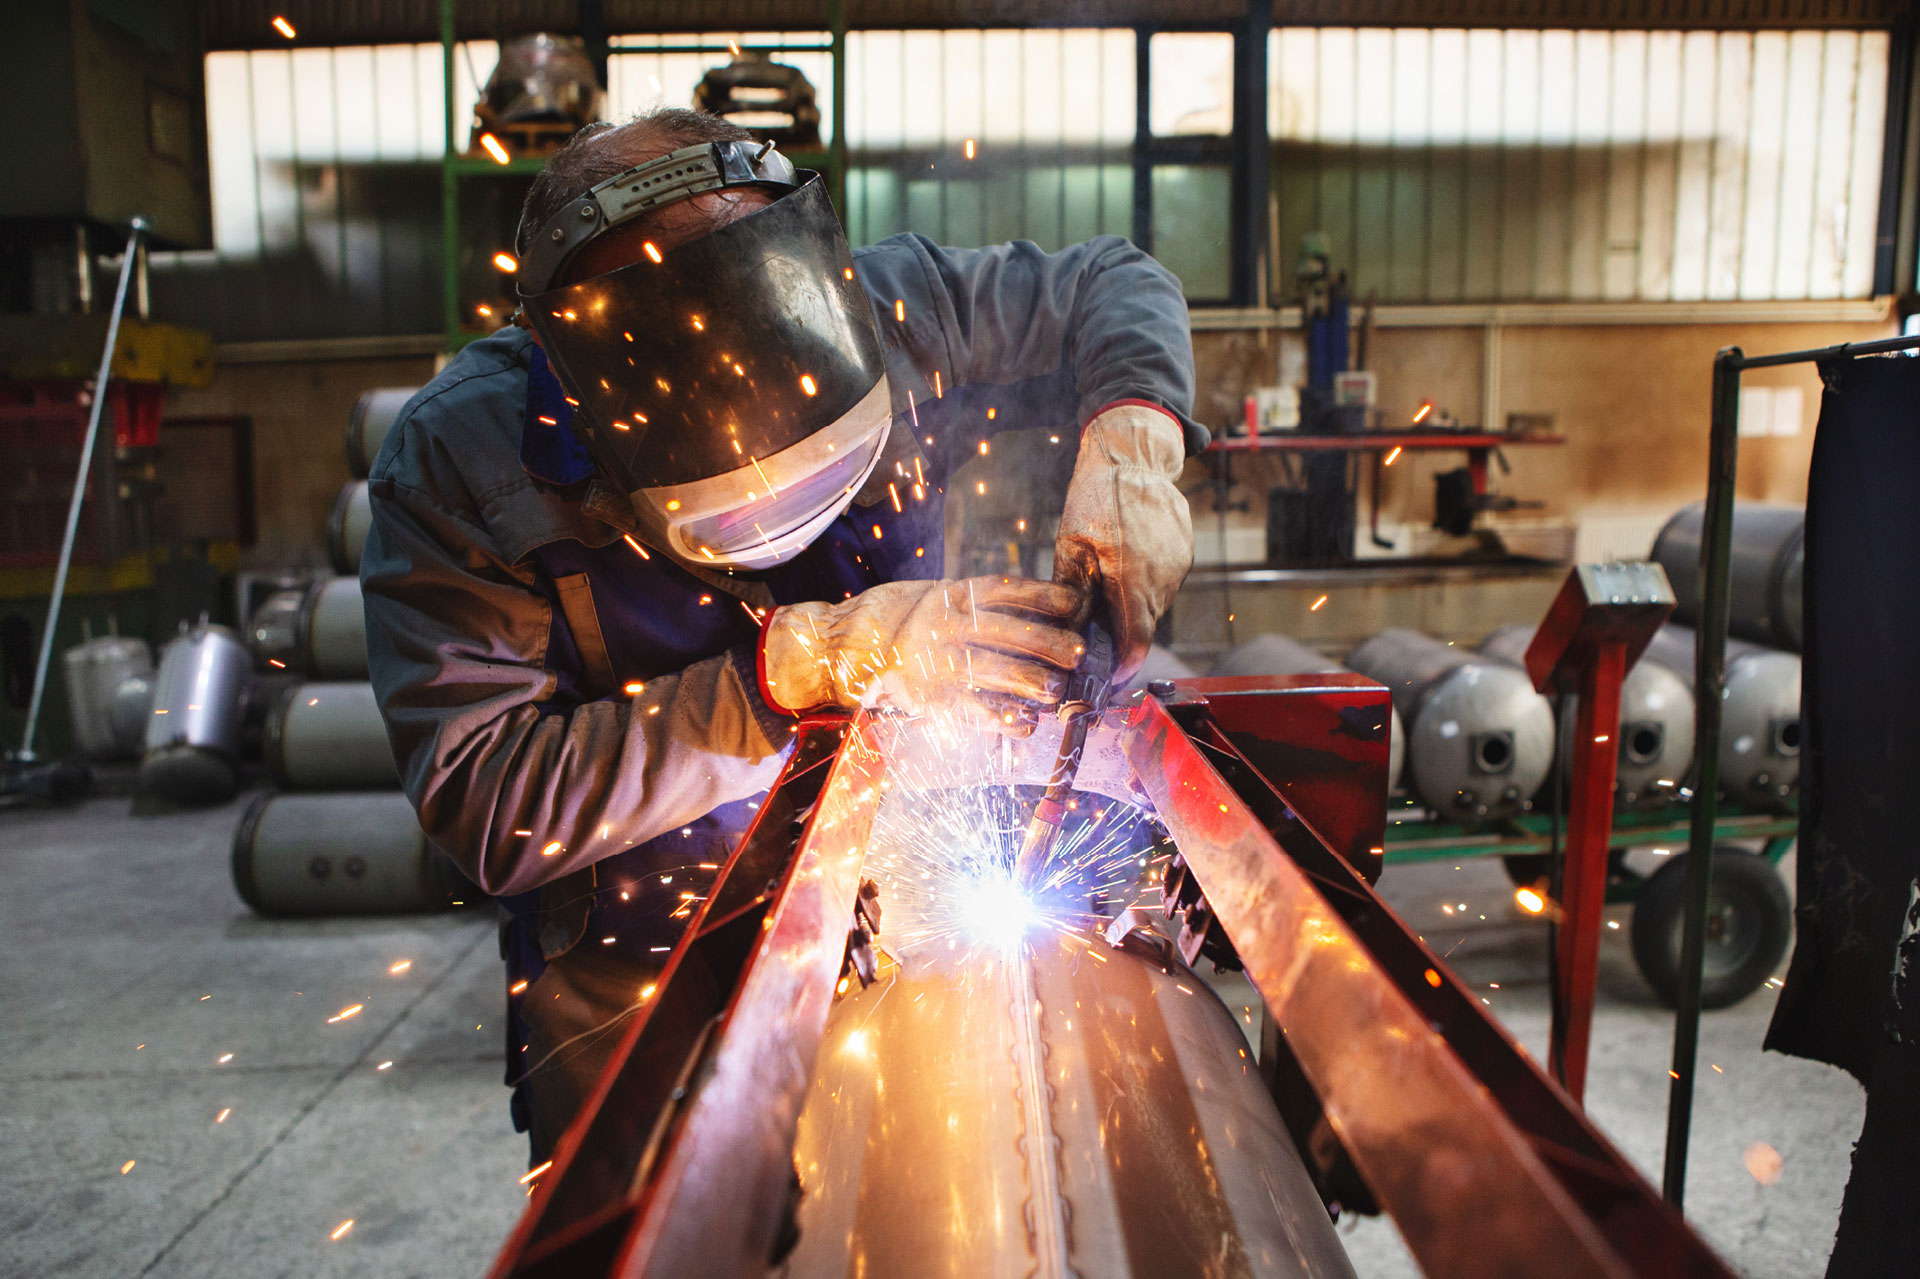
(1852,996)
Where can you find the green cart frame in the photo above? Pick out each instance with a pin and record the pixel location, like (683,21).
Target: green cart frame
(1750,915)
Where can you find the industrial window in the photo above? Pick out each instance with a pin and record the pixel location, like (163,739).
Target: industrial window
(1049,115)
(325,174)
(1634,165)
(326,188)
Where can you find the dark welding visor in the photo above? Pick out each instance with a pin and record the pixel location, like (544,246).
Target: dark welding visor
(695,361)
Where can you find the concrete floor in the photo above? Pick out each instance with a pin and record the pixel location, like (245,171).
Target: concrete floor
(132,970)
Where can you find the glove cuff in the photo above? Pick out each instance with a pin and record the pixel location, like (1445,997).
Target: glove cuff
(1136,433)
(793,679)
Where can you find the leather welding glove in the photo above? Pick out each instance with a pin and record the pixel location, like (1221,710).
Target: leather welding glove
(1126,524)
(988,651)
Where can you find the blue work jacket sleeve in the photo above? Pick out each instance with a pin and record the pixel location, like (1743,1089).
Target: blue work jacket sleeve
(516,791)
(1103,316)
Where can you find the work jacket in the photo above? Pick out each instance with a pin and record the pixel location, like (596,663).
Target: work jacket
(576,717)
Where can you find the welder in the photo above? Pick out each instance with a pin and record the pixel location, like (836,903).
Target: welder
(694,491)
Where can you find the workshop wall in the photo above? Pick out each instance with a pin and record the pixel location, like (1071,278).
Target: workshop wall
(1632,402)
(299,412)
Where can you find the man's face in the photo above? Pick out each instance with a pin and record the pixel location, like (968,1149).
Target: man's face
(670,227)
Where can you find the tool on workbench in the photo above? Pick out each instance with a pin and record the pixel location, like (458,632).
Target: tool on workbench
(1086,697)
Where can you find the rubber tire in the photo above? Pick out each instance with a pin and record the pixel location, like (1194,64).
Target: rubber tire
(1746,889)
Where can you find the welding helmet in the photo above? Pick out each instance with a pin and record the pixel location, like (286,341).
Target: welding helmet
(733,387)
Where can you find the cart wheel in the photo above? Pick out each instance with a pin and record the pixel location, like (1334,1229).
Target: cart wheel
(1528,870)
(1749,922)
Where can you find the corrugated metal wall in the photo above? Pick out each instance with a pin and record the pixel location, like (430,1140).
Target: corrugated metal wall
(1447,165)
(1487,165)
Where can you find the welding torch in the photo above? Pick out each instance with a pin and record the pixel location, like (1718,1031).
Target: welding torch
(1086,697)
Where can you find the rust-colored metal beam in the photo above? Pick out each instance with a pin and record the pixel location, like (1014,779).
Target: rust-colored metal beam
(1486,1166)
(681,1160)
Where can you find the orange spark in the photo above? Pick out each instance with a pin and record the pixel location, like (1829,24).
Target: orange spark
(535,1172)
(506,262)
(550,849)
(900,310)
(1392,456)
(494,149)
(1421,416)
(397,968)
(340,1230)
(807,384)
(639,550)
(126,1167)
(284,27)
(635,688)
(969,148)
(650,251)
(1531,902)
(1315,606)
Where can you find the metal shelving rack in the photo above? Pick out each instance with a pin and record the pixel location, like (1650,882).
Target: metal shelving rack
(457,166)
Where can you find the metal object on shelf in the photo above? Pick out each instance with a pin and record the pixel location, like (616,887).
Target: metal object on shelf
(773,100)
(372,417)
(344,854)
(1767,567)
(542,90)
(273,630)
(193,731)
(1656,723)
(347,527)
(1479,738)
(1096,1117)
(93,673)
(1759,756)
(1277,654)
(329,736)
(332,630)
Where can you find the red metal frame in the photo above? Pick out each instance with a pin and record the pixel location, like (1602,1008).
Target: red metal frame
(680,1161)
(1487,1167)
(1589,638)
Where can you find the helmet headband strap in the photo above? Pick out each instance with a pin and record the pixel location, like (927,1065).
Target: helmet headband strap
(676,176)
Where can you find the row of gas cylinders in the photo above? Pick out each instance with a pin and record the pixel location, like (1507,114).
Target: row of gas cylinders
(336,836)
(1473,741)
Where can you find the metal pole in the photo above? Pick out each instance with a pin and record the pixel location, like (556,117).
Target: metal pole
(134,233)
(1710,661)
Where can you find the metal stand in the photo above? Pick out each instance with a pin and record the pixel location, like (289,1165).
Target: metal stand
(1710,656)
(127,262)
(1594,631)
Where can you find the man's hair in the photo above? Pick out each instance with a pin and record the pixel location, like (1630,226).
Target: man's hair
(600,151)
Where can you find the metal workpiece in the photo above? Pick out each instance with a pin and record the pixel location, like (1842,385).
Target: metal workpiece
(1479,738)
(1759,712)
(1656,723)
(1486,1166)
(193,730)
(1058,1108)
(329,736)
(93,673)
(357,853)
(347,526)
(331,629)
(1768,568)
(1277,654)
(372,417)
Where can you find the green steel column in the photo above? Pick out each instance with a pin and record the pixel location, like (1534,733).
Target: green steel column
(449,193)
(1710,657)
(837,145)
